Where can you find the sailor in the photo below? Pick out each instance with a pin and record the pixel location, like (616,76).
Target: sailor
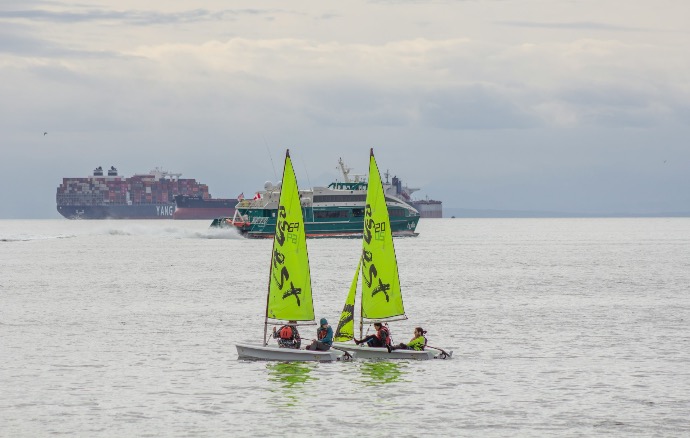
(381,338)
(288,336)
(324,336)
(418,342)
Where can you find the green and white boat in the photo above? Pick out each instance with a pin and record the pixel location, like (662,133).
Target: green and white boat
(333,211)
(289,282)
(381,298)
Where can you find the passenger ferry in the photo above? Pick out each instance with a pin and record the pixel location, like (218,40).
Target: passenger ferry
(333,211)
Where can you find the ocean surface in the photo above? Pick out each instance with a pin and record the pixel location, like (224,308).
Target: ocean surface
(559,327)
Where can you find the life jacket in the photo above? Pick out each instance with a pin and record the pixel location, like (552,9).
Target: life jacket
(322,333)
(388,334)
(286,332)
(417,343)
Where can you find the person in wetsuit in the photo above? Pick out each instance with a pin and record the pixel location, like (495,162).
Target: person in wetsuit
(381,338)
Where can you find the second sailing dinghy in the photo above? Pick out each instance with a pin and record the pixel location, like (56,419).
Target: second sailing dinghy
(381,299)
(289,282)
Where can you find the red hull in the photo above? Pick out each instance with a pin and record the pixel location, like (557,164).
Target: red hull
(203,213)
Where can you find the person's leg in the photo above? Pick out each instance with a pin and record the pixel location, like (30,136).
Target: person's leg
(320,346)
(365,340)
(375,342)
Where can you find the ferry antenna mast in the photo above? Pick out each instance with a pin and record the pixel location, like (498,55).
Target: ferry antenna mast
(268,151)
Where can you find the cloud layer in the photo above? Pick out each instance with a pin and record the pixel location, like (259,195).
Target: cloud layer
(432,90)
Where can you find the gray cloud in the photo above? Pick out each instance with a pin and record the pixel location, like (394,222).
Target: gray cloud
(22,44)
(473,107)
(132,17)
(578,25)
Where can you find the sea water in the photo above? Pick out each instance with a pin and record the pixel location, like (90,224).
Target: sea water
(559,327)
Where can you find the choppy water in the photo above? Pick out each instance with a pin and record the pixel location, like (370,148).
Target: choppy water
(560,327)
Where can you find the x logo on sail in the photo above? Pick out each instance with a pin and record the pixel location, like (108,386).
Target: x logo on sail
(296,291)
(382,288)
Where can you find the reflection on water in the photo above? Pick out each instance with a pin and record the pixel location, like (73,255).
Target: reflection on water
(382,372)
(290,379)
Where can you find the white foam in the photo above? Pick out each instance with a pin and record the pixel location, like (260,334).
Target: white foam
(172,232)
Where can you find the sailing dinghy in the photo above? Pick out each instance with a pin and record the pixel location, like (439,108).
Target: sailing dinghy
(381,299)
(289,282)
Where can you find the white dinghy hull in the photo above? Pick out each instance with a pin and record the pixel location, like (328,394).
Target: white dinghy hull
(258,352)
(366,352)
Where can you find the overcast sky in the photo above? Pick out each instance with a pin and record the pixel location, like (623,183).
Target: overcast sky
(557,105)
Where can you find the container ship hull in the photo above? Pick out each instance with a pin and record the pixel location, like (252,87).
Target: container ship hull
(159,211)
(428,208)
(192,207)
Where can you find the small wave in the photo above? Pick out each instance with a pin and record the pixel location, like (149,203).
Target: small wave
(218,233)
(78,366)
(31,237)
(119,233)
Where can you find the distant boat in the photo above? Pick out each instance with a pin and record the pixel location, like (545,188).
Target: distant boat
(289,281)
(381,298)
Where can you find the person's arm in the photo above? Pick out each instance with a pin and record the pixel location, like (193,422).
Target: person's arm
(328,339)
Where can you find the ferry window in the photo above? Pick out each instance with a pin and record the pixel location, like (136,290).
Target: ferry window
(357,212)
(330,214)
(396,212)
(340,198)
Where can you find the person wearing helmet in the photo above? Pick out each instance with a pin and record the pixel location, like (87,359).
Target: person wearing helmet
(324,335)
(288,336)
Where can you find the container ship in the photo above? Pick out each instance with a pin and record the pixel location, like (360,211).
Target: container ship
(333,211)
(142,196)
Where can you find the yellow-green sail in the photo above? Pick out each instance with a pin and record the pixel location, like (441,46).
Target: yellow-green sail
(346,325)
(381,296)
(289,287)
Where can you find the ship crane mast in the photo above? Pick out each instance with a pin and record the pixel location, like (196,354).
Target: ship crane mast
(344,169)
(346,173)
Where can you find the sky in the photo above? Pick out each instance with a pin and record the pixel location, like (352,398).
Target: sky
(576,106)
